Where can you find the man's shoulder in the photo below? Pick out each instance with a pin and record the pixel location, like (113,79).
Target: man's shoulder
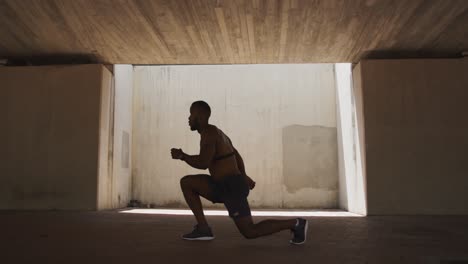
(210,132)
(212,129)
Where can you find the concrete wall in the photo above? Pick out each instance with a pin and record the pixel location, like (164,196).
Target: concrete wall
(416,135)
(352,196)
(122,155)
(281,118)
(106,113)
(52,129)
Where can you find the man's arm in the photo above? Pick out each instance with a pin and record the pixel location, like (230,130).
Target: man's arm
(207,151)
(240,162)
(201,161)
(241,166)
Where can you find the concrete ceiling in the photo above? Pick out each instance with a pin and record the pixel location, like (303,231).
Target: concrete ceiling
(232,31)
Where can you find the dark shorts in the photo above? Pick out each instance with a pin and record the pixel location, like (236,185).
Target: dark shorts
(232,191)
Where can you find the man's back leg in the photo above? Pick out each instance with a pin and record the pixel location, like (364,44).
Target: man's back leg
(270,226)
(266,227)
(239,210)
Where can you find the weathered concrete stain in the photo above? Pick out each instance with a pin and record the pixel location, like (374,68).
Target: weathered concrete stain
(310,157)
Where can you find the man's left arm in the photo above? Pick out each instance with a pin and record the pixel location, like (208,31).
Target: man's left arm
(203,160)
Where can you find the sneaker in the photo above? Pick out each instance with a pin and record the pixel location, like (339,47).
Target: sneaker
(300,232)
(199,234)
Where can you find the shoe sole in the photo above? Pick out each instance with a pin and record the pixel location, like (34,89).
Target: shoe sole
(198,238)
(305,235)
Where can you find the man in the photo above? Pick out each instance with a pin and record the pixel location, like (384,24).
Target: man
(228,183)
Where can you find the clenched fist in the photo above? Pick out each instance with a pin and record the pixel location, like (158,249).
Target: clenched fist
(177,153)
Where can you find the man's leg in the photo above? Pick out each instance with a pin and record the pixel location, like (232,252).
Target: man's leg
(266,227)
(194,186)
(239,209)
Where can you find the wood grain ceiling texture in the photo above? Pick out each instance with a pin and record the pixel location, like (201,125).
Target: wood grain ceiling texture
(232,31)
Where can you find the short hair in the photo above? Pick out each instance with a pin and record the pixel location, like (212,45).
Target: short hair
(203,106)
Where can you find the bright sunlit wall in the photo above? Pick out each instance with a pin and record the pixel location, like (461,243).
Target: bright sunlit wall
(281,118)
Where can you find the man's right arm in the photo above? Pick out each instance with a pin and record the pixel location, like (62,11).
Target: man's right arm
(241,166)
(240,162)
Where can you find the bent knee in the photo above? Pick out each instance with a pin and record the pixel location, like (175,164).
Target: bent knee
(186,181)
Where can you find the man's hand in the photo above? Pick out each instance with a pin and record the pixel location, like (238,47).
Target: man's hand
(250,182)
(177,153)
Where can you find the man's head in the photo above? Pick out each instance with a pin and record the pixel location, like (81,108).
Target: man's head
(200,112)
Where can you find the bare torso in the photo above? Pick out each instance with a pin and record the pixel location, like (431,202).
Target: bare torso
(226,166)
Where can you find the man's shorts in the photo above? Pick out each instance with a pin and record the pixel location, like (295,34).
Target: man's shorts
(232,191)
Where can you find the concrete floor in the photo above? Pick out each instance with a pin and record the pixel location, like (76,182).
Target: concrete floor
(113,237)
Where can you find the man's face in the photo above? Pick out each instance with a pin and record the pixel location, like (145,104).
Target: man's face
(193,119)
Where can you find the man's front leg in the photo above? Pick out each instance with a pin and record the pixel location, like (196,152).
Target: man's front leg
(192,197)
(194,186)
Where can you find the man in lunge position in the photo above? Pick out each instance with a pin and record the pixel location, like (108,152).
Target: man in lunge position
(228,183)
